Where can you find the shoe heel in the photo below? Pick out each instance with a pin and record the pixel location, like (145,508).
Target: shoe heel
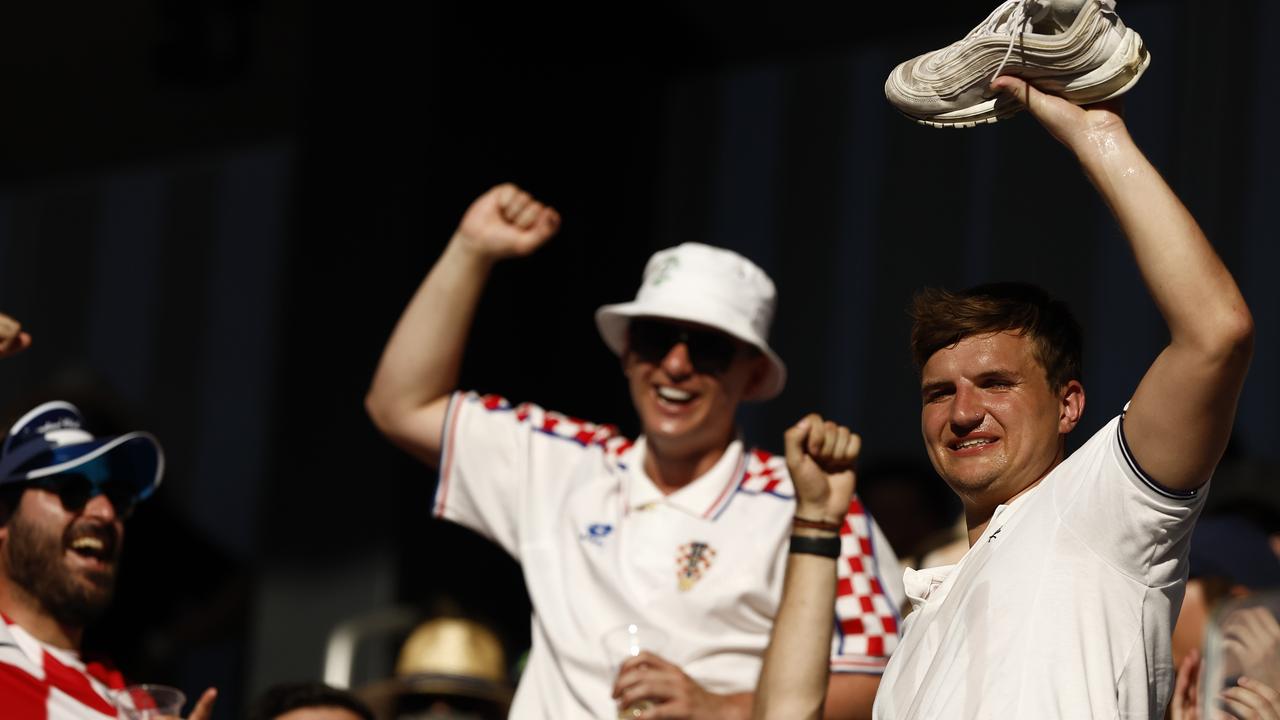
(1114,77)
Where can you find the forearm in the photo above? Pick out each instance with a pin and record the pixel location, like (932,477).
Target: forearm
(793,681)
(736,706)
(1190,285)
(423,357)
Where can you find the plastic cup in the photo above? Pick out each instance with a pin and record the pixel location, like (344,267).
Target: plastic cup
(150,702)
(627,641)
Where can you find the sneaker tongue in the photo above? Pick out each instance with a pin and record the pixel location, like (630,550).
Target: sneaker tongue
(1057,16)
(1039,10)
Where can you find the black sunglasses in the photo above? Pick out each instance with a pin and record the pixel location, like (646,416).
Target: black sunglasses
(75,490)
(710,352)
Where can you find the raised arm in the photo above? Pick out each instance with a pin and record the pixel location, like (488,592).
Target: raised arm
(1180,417)
(419,367)
(794,680)
(12,339)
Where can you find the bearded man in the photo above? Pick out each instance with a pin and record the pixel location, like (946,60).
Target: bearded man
(64,499)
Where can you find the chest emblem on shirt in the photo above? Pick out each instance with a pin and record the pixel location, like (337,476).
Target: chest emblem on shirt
(692,560)
(596,533)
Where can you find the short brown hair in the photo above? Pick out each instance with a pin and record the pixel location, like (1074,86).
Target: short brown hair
(941,318)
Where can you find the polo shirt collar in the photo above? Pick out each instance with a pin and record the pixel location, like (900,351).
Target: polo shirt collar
(701,498)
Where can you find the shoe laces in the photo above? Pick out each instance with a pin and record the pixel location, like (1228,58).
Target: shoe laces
(1013,18)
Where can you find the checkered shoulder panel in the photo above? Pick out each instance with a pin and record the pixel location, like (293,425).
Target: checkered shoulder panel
(558,425)
(866,621)
(765,473)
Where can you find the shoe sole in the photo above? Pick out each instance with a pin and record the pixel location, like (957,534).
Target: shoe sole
(1112,79)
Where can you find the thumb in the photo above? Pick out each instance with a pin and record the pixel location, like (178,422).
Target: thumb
(204,706)
(1015,87)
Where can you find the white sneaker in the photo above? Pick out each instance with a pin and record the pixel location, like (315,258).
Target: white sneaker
(1078,49)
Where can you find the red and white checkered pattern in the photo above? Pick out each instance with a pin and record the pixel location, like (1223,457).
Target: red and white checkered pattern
(766,473)
(564,426)
(35,684)
(867,620)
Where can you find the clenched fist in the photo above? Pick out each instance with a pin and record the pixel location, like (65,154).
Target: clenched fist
(820,457)
(506,222)
(12,339)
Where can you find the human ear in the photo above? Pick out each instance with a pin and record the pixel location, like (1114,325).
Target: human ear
(759,370)
(1071,408)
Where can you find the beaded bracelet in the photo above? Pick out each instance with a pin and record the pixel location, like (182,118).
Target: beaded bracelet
(808,524)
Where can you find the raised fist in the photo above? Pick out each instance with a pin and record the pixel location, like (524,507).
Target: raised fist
(507,222)
(12,339)
(820,457)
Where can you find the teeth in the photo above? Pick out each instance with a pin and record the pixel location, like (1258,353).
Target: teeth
(973,443)
(674,395)
(87,543)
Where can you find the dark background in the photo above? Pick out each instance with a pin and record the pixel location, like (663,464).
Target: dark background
(212,211)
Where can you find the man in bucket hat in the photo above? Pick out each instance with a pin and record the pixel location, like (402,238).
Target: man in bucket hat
(681,533)
(64,499)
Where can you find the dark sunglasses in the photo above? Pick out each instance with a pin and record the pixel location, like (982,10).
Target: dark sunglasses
(75,490)
(710,352)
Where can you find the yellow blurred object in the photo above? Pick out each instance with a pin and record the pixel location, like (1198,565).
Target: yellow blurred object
(446,664)
(453,646)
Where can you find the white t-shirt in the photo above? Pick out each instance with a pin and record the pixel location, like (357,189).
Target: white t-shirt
(601,547)
(1064,606)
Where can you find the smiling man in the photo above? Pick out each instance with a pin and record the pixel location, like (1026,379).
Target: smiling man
(684,530)
(1064,604)
(64,499)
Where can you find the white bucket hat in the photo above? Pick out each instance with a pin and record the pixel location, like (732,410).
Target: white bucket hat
(710,286)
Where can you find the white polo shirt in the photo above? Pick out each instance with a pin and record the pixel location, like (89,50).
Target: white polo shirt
(601,546)
(1064,606)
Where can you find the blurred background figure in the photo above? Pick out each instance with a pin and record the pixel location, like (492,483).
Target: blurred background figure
(65,496)
(184,625)
(1230,558)
(1230,610)
(448,668)
(1246,486)
(1239,673)
(308,701)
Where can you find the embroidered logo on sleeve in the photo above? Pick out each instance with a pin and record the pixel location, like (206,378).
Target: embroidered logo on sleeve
(692,560)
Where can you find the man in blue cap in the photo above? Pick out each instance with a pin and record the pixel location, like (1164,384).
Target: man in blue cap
(64,498)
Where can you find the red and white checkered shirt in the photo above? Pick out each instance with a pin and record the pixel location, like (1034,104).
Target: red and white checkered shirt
(39,682)
(601,546)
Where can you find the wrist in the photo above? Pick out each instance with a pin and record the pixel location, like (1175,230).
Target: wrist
(801,522)
(819,513)
(466,250)
(827,545)
(1100,145)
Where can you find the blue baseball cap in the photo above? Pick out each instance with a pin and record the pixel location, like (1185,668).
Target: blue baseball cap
(1234,548)
(51,439)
